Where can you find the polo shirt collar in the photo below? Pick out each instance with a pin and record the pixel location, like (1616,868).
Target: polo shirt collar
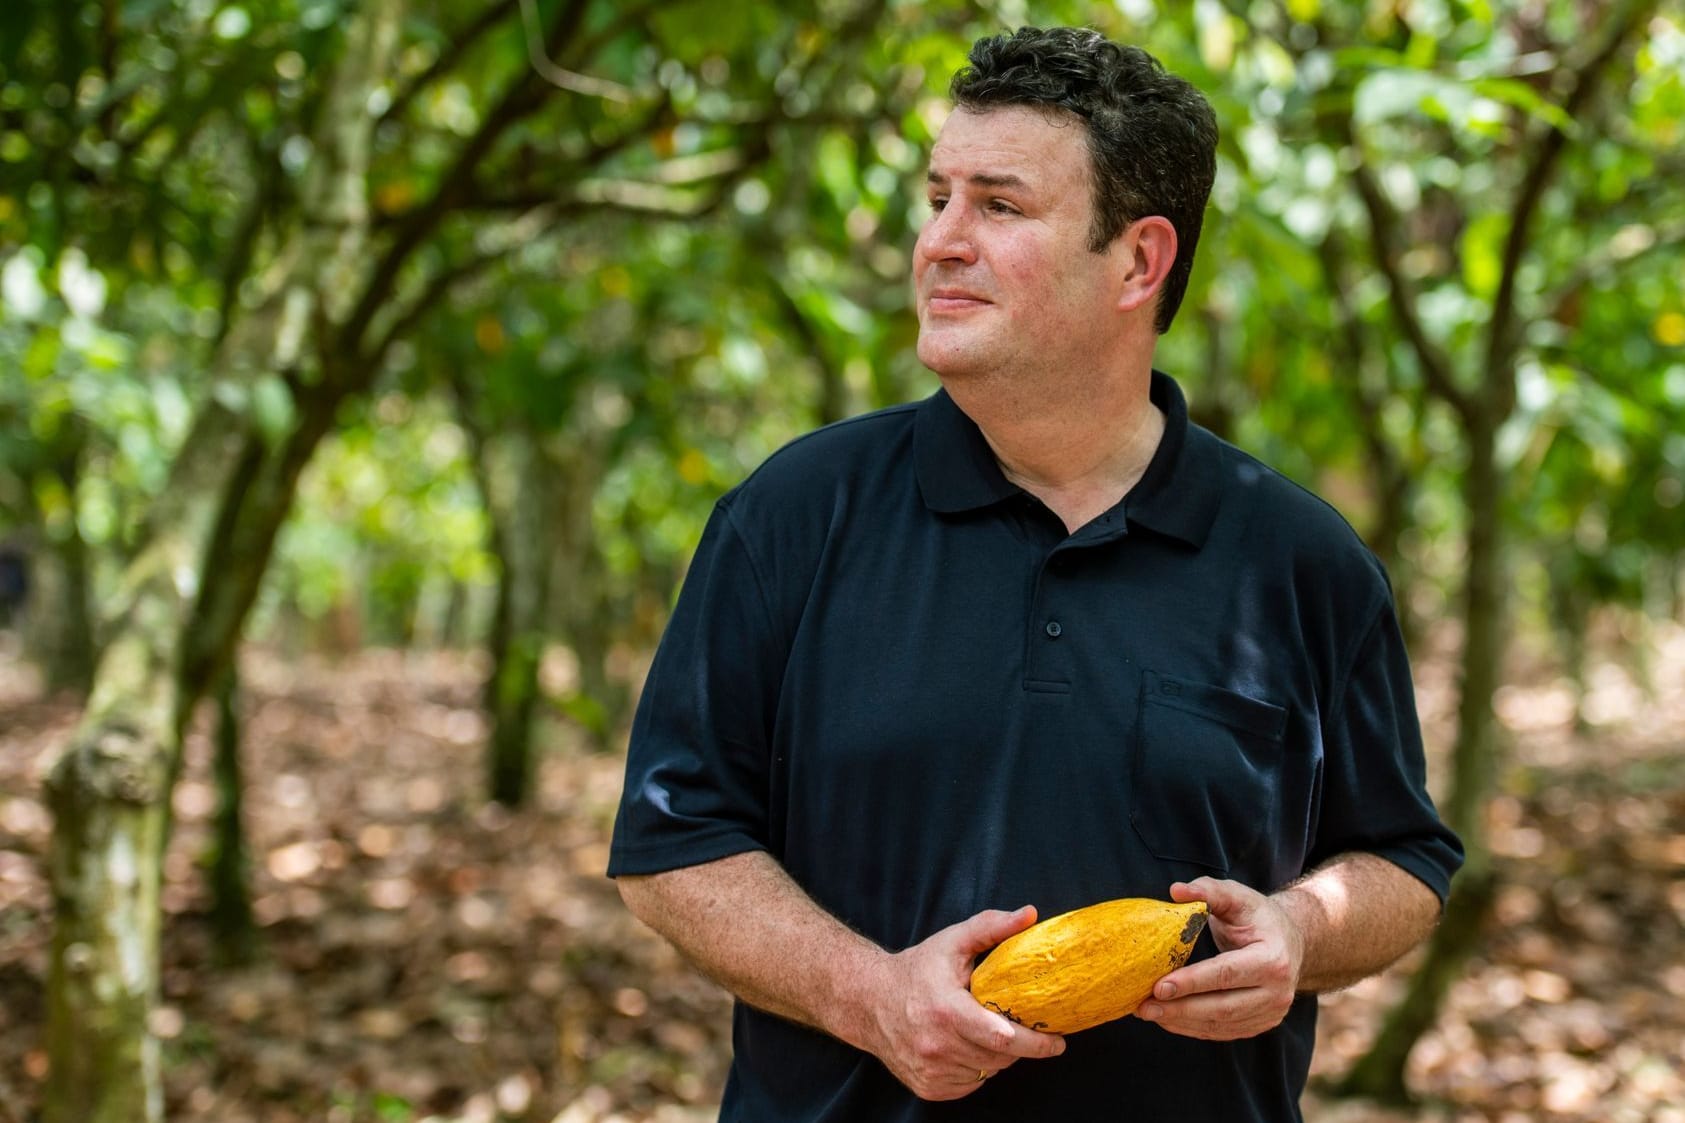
(957,470)
(1177,495)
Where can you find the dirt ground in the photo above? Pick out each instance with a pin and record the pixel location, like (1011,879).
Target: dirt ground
(426,957)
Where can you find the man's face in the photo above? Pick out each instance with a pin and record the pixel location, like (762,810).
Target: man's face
(1003,271)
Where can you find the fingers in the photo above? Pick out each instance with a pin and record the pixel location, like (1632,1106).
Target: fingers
(1255,965)
(955,1085)
(1230,901)
(985,1028)
(1005,1039)
(984,930)
(937,1050)
(1220,1016)
(1247,988)
(931,1032)
(940,1061)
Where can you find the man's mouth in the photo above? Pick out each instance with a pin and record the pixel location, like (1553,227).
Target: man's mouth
(953,300)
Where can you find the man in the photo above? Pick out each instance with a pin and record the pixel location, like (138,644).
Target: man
(1035,641)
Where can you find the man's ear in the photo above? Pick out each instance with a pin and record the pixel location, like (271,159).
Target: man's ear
(1148,245)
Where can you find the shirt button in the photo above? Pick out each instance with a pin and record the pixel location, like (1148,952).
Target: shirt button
(1054,630)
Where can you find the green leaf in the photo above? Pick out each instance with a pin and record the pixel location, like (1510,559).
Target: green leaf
(272,408)
(41,356)
(1386,94)
(1517,94)
(1482,253)
(392,1108)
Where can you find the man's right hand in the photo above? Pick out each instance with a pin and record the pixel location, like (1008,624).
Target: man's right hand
(749,925)
(926,1027)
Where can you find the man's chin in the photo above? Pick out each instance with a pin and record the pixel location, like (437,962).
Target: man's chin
(949,362)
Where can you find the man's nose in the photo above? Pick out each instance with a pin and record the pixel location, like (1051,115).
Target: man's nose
(947,236)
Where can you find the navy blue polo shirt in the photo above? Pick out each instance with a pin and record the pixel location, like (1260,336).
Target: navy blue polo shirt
(896,672)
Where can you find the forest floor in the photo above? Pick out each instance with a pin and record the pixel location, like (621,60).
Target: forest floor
(426,957)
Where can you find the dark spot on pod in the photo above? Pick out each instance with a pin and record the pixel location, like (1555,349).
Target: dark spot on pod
(1013,1018)
(1195,925)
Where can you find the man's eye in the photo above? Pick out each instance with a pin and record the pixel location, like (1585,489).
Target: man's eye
(1000,206)
(938,203)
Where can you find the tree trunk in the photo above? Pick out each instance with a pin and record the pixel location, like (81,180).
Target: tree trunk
(1379,1074)
(1570,617)
(585,613)
(71,666)
(522,536)
(518,484)
(59,631)
(56,635)
(454,624)
(1475,754)
(231,899)
(1367,379)
(603,702)
(108,800)
(110,789)
(183,600)
(109,793)
(1214,405)
(1674,569)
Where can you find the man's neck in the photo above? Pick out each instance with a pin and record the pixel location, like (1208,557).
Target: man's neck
(1078,457)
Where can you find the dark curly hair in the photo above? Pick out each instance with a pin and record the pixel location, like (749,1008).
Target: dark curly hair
(1152,136)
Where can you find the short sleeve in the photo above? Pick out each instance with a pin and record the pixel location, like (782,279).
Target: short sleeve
(696,771)
(1374,783)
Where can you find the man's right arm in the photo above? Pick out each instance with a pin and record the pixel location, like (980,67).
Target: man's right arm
(749,926)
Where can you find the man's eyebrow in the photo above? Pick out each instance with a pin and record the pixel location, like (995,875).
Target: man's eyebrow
(979,179)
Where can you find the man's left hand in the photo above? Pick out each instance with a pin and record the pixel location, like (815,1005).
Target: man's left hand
(1249,985)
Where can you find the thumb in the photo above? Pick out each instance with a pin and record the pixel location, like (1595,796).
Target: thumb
(1229,901)
(983,931)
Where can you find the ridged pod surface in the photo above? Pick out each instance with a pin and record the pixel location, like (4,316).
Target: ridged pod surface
(1082,968)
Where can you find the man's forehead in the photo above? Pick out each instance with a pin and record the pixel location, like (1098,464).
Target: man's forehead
(1011,142)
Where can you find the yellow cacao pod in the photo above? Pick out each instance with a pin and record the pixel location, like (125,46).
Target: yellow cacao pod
(1089,966)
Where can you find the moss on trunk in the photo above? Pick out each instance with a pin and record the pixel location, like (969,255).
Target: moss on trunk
(107,793)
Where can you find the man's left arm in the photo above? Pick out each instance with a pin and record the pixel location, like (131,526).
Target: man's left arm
(1344,921)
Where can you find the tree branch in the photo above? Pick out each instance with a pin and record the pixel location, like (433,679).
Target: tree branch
(1384,226)
(540,221)
(636,15)
(523,97)
(438,287)
(1350,349)
(1387,463)
(448,278)
(548,212)
(559,76)
(659,197)
(1504,333)
(832,388)
(237,259)
(460,42)
(661,190)
(189,113)
(108,38)
(1621,249)
(524,195)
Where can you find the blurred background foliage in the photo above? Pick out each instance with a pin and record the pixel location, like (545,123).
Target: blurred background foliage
(616,253)
(735,274)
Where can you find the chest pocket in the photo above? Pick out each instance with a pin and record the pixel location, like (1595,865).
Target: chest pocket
(1206,775)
